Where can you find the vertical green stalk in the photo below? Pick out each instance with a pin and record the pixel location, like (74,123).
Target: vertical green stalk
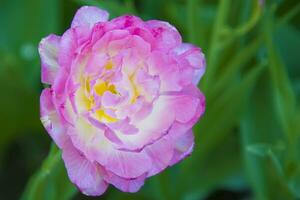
(284,96)
(290,14)
(50,181)
(253,165)
(213,52)
(192,20)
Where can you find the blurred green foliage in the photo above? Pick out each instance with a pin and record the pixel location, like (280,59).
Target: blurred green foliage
(247,143)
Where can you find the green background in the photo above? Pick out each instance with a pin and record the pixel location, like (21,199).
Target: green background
(247,143)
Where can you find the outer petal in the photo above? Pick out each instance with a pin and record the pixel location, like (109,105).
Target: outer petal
(191,57)
(166,36)
(151,128)
(183,147)
(125,185)
(169,76)
(72,44)
(96,147)
(48,50)
(86,175)
(67,49)
(126,21)
(168,109)
(51,120)
(161,153)
(89,15)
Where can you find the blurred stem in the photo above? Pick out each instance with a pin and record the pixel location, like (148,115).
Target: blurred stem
(130,6)
(285,101)
(157,185)
(232,34)
(213,52)
(50,181)
(290,14)
(166,185)
(285,98)
(47,166)
(248,25)
(253,165)
(236,94)
(235,64)
(192,20)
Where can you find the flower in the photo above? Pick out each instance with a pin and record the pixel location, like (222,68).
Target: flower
(122,100)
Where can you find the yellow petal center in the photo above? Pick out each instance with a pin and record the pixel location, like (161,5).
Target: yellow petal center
(102,87)
(102,116)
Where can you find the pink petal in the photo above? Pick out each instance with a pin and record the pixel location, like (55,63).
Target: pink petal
(133,42)
(152,127)
(101,45)
(126,21)
(72,44)
(185,108)
(96,63)
(48,50)
(183,147)
(123,184)
(166,36)
(191,56)
(169,76)
(96,147)
(50,118)
(161,153)
(67,49)
(110,100)
(86,175)
(89,15)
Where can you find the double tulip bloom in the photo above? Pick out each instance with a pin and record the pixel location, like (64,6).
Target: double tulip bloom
(122,100)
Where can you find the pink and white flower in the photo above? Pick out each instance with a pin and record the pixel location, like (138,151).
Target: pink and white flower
(122,100)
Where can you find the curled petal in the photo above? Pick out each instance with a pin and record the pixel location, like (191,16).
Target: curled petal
(89,15)
(96,147)
(126,21)
(169,76)
(161,153)
(86,175)
(166,36)
(123,184)
(192,56)
(183,147)
(48,50)
(67,49)
(50,118)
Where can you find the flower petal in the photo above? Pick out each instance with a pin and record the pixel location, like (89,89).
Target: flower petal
(89,15)
(48,50)
(51,120)
(183,147)
(191,56)
(161,153)
(86,175)
(166,35)
(96,147)
(123,184)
